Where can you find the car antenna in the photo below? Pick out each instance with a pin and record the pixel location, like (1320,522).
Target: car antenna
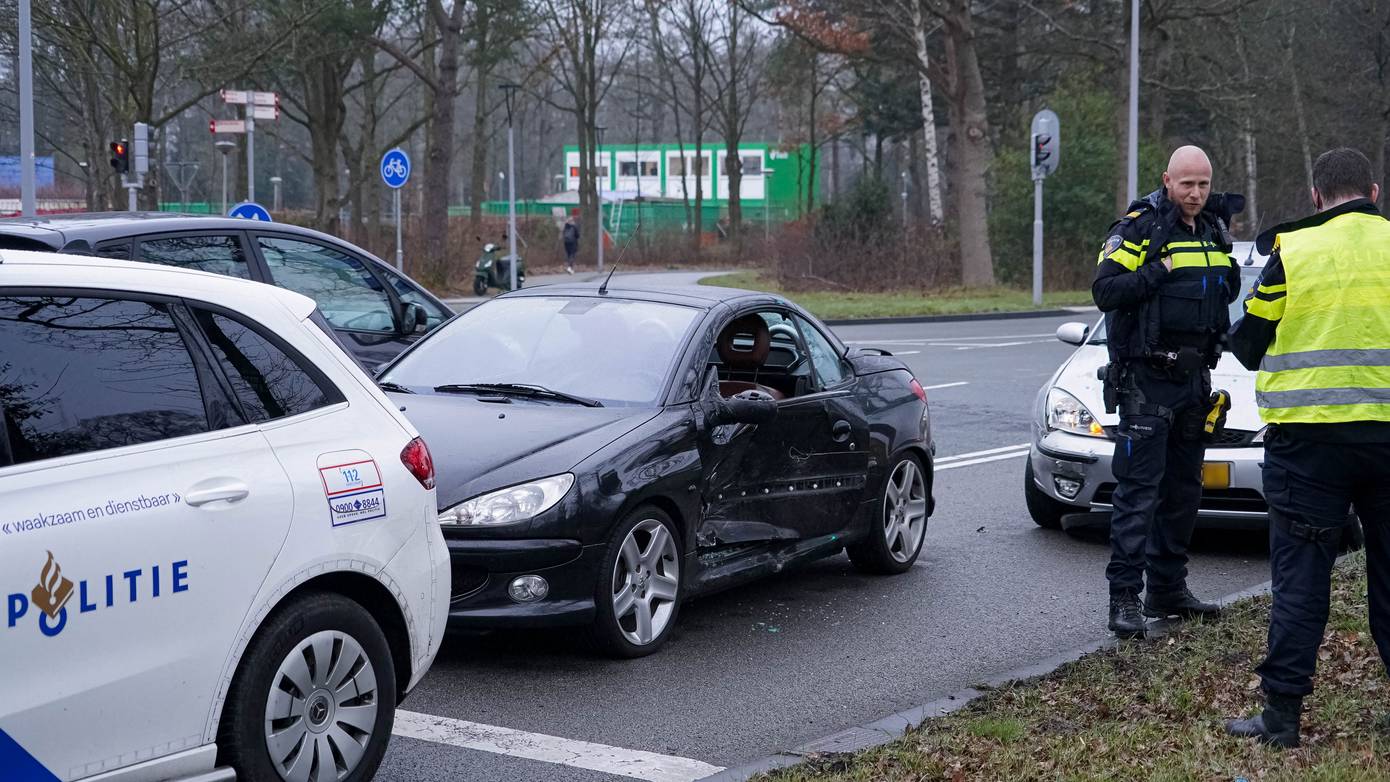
(603,289)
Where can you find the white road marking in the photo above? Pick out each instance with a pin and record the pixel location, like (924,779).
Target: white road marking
(920,340)
(946,385)
(976,454)
(632,763)
(983,459)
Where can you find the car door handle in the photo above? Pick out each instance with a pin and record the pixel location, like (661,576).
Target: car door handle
(841,431)
(216,490)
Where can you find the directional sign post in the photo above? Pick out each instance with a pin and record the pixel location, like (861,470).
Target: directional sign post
(250,210)
(258,105)
(395,172)
(1044,155)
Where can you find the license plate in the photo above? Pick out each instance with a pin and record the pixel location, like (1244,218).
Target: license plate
(1216,475)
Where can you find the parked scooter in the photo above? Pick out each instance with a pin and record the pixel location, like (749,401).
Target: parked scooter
(492,271)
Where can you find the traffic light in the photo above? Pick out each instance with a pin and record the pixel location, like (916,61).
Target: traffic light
(120,157)
(1042,149)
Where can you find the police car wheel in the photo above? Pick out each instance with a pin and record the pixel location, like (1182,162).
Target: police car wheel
(314,696)
(639,591)
(895,538)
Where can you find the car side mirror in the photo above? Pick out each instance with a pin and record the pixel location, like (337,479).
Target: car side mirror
(742,411)
(1073,333)
(413,319)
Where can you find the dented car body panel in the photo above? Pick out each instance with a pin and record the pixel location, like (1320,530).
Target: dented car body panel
(748,499)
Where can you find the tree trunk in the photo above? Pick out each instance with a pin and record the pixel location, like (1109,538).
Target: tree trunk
(973,156)
(929,150)
(439,153)
(478,176)
(732,133)
(1300,114)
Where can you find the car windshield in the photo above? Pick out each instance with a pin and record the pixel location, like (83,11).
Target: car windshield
(1248,276)
(616,351)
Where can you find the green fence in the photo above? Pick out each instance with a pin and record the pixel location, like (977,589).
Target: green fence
(622,219)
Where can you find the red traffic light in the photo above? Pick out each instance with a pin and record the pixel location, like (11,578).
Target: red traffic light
(120,159)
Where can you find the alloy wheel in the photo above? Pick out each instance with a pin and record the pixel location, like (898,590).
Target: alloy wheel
(322,708)
(904,510)
(646,582)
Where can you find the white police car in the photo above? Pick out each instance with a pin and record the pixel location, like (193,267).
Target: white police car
(218,542)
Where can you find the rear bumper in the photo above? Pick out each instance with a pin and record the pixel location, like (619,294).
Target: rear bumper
(484,569)
(1063,462)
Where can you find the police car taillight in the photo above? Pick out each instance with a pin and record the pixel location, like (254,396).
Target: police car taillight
(416,458)
(918,390)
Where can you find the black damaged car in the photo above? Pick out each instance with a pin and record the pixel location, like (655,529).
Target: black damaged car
(604,454)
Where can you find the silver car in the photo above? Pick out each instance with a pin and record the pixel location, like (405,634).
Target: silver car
(1068,469)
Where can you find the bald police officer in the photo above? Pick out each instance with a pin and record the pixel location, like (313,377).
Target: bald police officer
(1164,282)
(1317,326)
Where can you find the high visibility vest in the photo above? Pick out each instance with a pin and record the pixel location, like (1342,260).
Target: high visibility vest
(1330,359)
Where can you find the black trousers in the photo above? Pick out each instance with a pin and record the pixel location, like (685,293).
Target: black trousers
(1311,487)
(1158,474)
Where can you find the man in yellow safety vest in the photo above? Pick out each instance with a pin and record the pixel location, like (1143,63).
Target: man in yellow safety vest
(1317,326)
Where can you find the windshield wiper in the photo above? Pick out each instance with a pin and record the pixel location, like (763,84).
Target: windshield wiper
(518,389)
(397,387)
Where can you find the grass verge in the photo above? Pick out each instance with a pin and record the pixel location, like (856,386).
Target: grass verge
(848,305)
(1154,711)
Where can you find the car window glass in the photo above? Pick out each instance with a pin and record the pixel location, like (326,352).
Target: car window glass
(118,250)
(829,367)
(268,382)
(618,351)
(347,293)
(216,254)
(83,374)
(410,293)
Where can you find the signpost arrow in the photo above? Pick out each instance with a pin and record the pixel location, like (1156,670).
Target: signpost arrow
(227,126)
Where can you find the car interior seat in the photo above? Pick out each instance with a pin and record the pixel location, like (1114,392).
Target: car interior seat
(743,346)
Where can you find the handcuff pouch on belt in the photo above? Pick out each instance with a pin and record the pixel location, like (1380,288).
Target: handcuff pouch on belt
(1123,395)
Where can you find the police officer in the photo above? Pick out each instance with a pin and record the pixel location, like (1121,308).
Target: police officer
(1318,328)
(1164,282)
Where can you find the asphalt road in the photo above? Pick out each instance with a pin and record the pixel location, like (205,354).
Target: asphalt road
(778,663)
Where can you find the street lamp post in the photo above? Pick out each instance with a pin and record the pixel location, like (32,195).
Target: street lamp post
(598,150)
(275,183)
(26,113)
(510,91)
(225,146)
(1133,175)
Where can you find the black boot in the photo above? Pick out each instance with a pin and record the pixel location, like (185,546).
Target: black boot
(1277,725)
(1126,620)
(1178,603)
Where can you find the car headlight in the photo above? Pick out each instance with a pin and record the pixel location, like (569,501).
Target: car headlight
(510,505)
(1065,412)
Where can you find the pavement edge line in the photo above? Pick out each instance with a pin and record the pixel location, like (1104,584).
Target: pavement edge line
(894,726)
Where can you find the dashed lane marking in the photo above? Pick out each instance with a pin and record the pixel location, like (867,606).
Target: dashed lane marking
(946,385)
(981,457)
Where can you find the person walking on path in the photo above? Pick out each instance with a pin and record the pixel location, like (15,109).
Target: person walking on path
(570,236)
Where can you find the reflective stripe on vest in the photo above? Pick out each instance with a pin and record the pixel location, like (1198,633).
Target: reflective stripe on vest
(1330,359)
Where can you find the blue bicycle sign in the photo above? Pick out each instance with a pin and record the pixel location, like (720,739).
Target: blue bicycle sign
(395,168)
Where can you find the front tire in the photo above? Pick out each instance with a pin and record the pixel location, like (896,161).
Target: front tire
(479,287)
(895,538)
(1046,512)
(317,686)
(639,592)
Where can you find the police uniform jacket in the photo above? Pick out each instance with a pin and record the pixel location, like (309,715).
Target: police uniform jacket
(1150,309)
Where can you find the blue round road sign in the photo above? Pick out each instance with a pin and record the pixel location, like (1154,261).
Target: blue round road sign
(395,168)
(250,210)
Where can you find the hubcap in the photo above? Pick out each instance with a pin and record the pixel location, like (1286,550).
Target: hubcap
(646,582)
(904,511)
(322,709)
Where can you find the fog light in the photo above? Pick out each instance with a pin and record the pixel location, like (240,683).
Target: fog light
(528,589)
(1067,487)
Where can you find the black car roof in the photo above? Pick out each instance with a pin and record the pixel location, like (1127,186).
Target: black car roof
(54,231)
(703,297)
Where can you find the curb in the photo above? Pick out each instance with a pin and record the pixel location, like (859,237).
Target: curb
(961,318)
(894,726)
